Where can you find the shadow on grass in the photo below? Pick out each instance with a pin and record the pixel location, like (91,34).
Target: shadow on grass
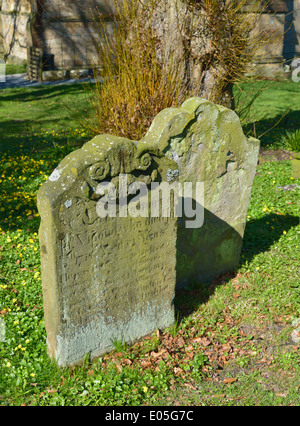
(274,128)
(17,137)
(258,238)
(28,113)
(37,93)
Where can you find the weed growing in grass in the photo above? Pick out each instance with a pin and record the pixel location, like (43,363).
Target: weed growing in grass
(119,345)
(291,141)
(175,327)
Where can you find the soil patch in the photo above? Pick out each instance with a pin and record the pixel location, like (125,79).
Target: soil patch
(274,155)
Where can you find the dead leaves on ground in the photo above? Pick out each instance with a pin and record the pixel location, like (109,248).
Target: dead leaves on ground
(217,344)
(180,352)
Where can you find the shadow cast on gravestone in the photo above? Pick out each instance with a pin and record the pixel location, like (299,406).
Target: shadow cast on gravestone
(200,285)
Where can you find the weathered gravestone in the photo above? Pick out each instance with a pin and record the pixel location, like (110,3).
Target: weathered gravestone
(2,71)
(104,278)
(115,277)
(213,149)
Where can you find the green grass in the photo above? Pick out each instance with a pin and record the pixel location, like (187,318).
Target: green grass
(236,327)
(277,105)
(15,69)
(291,141)
(34,119)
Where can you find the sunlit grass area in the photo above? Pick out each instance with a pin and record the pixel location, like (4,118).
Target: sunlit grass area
(232,341)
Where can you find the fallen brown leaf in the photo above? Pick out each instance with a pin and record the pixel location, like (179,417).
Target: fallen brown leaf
(197,339)
(158,354)
(51,390)
(222,395)
(188,385)
(146,364)
(205,342)
(229,380)
(119,368)
(180,342)
(178,371)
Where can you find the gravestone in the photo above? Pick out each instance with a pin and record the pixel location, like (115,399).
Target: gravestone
(2,71)
(212,149)
(104,278)
(296,165)
(114,278)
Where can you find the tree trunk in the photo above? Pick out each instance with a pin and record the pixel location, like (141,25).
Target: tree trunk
(186,41)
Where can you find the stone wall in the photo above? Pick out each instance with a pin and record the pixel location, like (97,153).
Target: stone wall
(283,18)
(66,32)
(16,16)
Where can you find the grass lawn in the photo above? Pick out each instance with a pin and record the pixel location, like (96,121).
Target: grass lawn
(15,69)
(232,342)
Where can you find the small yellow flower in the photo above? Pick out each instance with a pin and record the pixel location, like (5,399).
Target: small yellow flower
(8,364)
(32,375)
(145,389)
(284,232)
